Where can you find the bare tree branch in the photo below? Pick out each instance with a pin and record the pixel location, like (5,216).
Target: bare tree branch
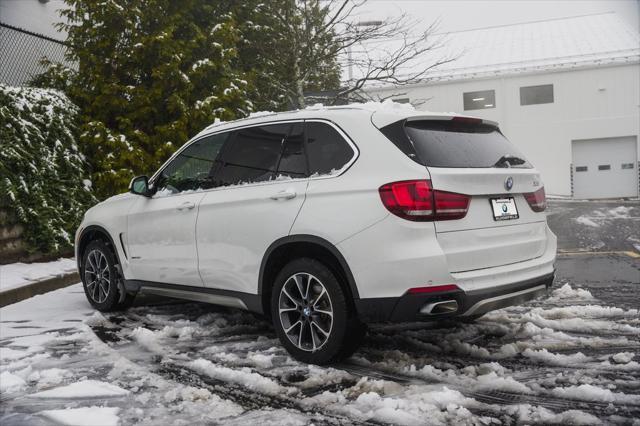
(395,51)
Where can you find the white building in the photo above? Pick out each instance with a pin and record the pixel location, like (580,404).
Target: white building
(566,91)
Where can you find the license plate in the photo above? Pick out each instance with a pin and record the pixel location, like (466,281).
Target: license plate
(504,208)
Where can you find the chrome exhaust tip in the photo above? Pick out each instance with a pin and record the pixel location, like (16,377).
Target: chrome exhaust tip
(440,308)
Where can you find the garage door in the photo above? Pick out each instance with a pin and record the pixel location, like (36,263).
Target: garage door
(605,168)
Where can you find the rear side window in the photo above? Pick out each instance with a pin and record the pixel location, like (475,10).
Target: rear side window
(327,150)
(457,144)
(252,154)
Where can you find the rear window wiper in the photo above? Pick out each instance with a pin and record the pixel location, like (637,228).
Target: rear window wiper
(509,161)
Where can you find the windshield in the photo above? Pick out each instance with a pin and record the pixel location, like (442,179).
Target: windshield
(459,144)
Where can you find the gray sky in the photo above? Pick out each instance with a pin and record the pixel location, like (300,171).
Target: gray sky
(32,15)
(454,14)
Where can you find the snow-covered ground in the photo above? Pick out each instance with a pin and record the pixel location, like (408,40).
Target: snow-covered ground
(16,275)
(573,358)
(568,359)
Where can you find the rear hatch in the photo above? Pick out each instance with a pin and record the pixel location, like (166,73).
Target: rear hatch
(472,157)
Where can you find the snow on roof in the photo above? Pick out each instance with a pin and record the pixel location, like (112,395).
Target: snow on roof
(561,43)
(389,109)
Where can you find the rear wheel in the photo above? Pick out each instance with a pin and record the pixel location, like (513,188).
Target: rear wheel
(311,315)
(101,279)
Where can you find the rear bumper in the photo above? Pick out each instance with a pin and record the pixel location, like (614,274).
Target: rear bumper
(412,307)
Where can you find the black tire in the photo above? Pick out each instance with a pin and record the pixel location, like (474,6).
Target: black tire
(103,257)
(345,332)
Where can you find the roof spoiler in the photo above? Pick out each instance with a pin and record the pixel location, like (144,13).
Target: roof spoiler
(382,119)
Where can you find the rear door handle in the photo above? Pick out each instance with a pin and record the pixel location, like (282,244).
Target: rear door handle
(287,194)
(187,205)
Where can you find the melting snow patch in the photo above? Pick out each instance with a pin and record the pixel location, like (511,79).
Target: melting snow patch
(8,354)
(48,377)
(623,357)
(594,393)
(567,292)
(147,339)
(10,382)
(528,414)
(492,381)
(621,212)
(83,389)
(242,376)
(85,416)
(546,357)
(584,220)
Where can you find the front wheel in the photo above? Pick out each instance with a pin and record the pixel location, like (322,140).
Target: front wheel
(311,315)
(101,279)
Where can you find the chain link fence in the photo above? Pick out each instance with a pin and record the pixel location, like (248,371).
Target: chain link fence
(22,51)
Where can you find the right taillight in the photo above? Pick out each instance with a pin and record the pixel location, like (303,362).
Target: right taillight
(537,200)
(417,201)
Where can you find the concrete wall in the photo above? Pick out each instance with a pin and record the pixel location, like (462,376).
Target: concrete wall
(588,103)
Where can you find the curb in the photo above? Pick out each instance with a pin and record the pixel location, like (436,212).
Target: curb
(18,294)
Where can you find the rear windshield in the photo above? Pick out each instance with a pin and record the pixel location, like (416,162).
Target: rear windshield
(440,143)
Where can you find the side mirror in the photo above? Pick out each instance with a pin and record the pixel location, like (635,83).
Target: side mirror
(140,186)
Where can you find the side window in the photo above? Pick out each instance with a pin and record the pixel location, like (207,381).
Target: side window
(293,163)
(193,169)
(327,150)
(252,154)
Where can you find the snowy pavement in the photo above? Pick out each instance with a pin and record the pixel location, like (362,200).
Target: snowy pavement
(573,358)
(16,275)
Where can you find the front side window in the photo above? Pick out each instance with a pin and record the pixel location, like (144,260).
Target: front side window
(252,154)
(483,99)
(327,150)
(532,95)
(193,168)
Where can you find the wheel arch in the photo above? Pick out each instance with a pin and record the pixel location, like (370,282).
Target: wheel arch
(90,233)
(284,249)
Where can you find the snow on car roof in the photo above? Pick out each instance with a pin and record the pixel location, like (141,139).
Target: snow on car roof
(391,111)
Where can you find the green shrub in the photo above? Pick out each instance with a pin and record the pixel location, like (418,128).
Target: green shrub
(42,173)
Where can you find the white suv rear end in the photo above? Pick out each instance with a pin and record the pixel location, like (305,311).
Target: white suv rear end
(327,219)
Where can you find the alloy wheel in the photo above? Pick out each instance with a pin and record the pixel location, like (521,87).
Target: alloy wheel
(306,312)
(97,276)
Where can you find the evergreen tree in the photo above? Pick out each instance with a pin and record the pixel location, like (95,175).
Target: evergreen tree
(43,181)
(151,74)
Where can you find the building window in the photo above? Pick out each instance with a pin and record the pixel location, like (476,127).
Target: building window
(533,95)
(604,167)
(581,168)
(627,165)
(483,99)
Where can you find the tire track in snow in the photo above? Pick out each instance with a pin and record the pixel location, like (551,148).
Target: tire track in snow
(180,372)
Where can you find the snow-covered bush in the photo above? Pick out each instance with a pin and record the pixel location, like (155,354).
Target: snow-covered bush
(42,173)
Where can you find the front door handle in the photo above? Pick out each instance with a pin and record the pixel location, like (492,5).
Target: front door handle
(287,194)
(187,205)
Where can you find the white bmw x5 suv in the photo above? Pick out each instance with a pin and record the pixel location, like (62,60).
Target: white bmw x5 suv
(327,219)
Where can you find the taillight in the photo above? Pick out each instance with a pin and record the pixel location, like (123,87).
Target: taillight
(537,200)
(416,200)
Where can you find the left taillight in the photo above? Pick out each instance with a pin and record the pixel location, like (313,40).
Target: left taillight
(537,200)
(416,200)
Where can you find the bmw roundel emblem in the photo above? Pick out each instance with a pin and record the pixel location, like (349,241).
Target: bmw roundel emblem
(504,208)
(508,183)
